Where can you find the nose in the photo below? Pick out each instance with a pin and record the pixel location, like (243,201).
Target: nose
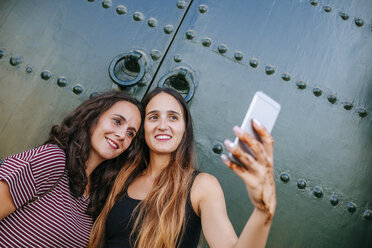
(163,124)
(121,133)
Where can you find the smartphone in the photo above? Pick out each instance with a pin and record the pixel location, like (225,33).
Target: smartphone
(263,109)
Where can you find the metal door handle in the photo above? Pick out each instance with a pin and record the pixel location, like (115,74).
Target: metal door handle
(136,55)
(184,73)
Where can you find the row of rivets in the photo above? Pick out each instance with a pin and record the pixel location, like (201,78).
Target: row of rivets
(138,16)
(46,75)
(358,21)
(270,70)
(319,192)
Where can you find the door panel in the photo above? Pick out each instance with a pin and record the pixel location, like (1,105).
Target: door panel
(318,66)
(42,41)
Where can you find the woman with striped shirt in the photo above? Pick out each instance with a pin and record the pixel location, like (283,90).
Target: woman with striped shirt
(50,194)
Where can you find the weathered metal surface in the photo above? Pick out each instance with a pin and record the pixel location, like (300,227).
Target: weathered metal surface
(317,63)
(314,57)
(54,54)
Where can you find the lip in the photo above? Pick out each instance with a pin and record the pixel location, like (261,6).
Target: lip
(163,137)
(112,143)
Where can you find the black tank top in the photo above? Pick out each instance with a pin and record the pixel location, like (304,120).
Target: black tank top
(119,226)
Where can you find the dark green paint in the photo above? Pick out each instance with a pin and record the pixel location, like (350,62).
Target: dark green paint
(222,52)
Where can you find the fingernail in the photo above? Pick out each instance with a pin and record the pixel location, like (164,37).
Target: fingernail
(224,158)
(229,143)
(238,130)
(256,122)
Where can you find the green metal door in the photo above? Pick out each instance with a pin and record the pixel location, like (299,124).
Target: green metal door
(314,57)
(54,54)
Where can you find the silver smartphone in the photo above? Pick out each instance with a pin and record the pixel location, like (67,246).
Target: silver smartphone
(263,109)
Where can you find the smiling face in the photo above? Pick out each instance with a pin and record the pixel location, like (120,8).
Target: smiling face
(164,124)
(114,131)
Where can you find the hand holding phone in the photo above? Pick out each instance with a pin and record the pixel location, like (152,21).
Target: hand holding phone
(262,109)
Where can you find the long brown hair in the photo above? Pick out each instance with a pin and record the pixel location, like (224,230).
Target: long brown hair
(73,136)
(159,220)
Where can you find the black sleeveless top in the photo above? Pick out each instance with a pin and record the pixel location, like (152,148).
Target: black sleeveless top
(119,226)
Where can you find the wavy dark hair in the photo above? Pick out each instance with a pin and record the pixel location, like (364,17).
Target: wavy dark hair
(73,136)
(159,220)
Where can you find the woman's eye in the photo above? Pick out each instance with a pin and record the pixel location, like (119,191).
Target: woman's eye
(153,117)
(130,134)
(173,117)
(117,121)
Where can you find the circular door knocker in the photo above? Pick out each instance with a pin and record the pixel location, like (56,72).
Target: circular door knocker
(132,64)
(181,79)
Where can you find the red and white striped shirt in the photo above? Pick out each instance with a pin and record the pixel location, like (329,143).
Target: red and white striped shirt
(58,219)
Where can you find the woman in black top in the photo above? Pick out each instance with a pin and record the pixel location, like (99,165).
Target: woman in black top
(161,201)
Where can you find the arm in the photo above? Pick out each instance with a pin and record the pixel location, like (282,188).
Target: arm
(7,205)
(260,185)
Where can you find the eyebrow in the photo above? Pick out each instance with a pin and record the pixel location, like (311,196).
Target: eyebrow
(169,111)
(125,120)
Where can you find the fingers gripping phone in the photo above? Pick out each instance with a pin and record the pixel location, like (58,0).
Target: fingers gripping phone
(263,109)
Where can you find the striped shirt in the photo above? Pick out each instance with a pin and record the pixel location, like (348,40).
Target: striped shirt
(58,219)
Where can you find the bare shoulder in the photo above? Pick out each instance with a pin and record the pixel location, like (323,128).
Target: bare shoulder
(204,181)
(205,188)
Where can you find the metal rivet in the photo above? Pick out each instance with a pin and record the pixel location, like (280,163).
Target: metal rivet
(344,16)
(348,105)
(152,22)
(317,92)
(190,34)
(253,62)
(301,85)
(206,42)
(222,48)
(359,22)
(2,53)
(301,183)
(217,148)
(314,2)
(327,8)
(61,81)
(270,70)
(106,4)
(121,9)
(16,60)
(351,207)
(177,58)
(46,75)
(317,191)
(362,111)
(181,4)
(238,55)
(155,54)
(168,29)
(332,98)
(203,8)
(286,77)
(284,176)
(28,69)
(137,16)
(334,200)
(367,214)
(93,94)
(78,89)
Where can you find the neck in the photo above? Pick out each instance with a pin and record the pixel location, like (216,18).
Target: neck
(92,163)
(157,163)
